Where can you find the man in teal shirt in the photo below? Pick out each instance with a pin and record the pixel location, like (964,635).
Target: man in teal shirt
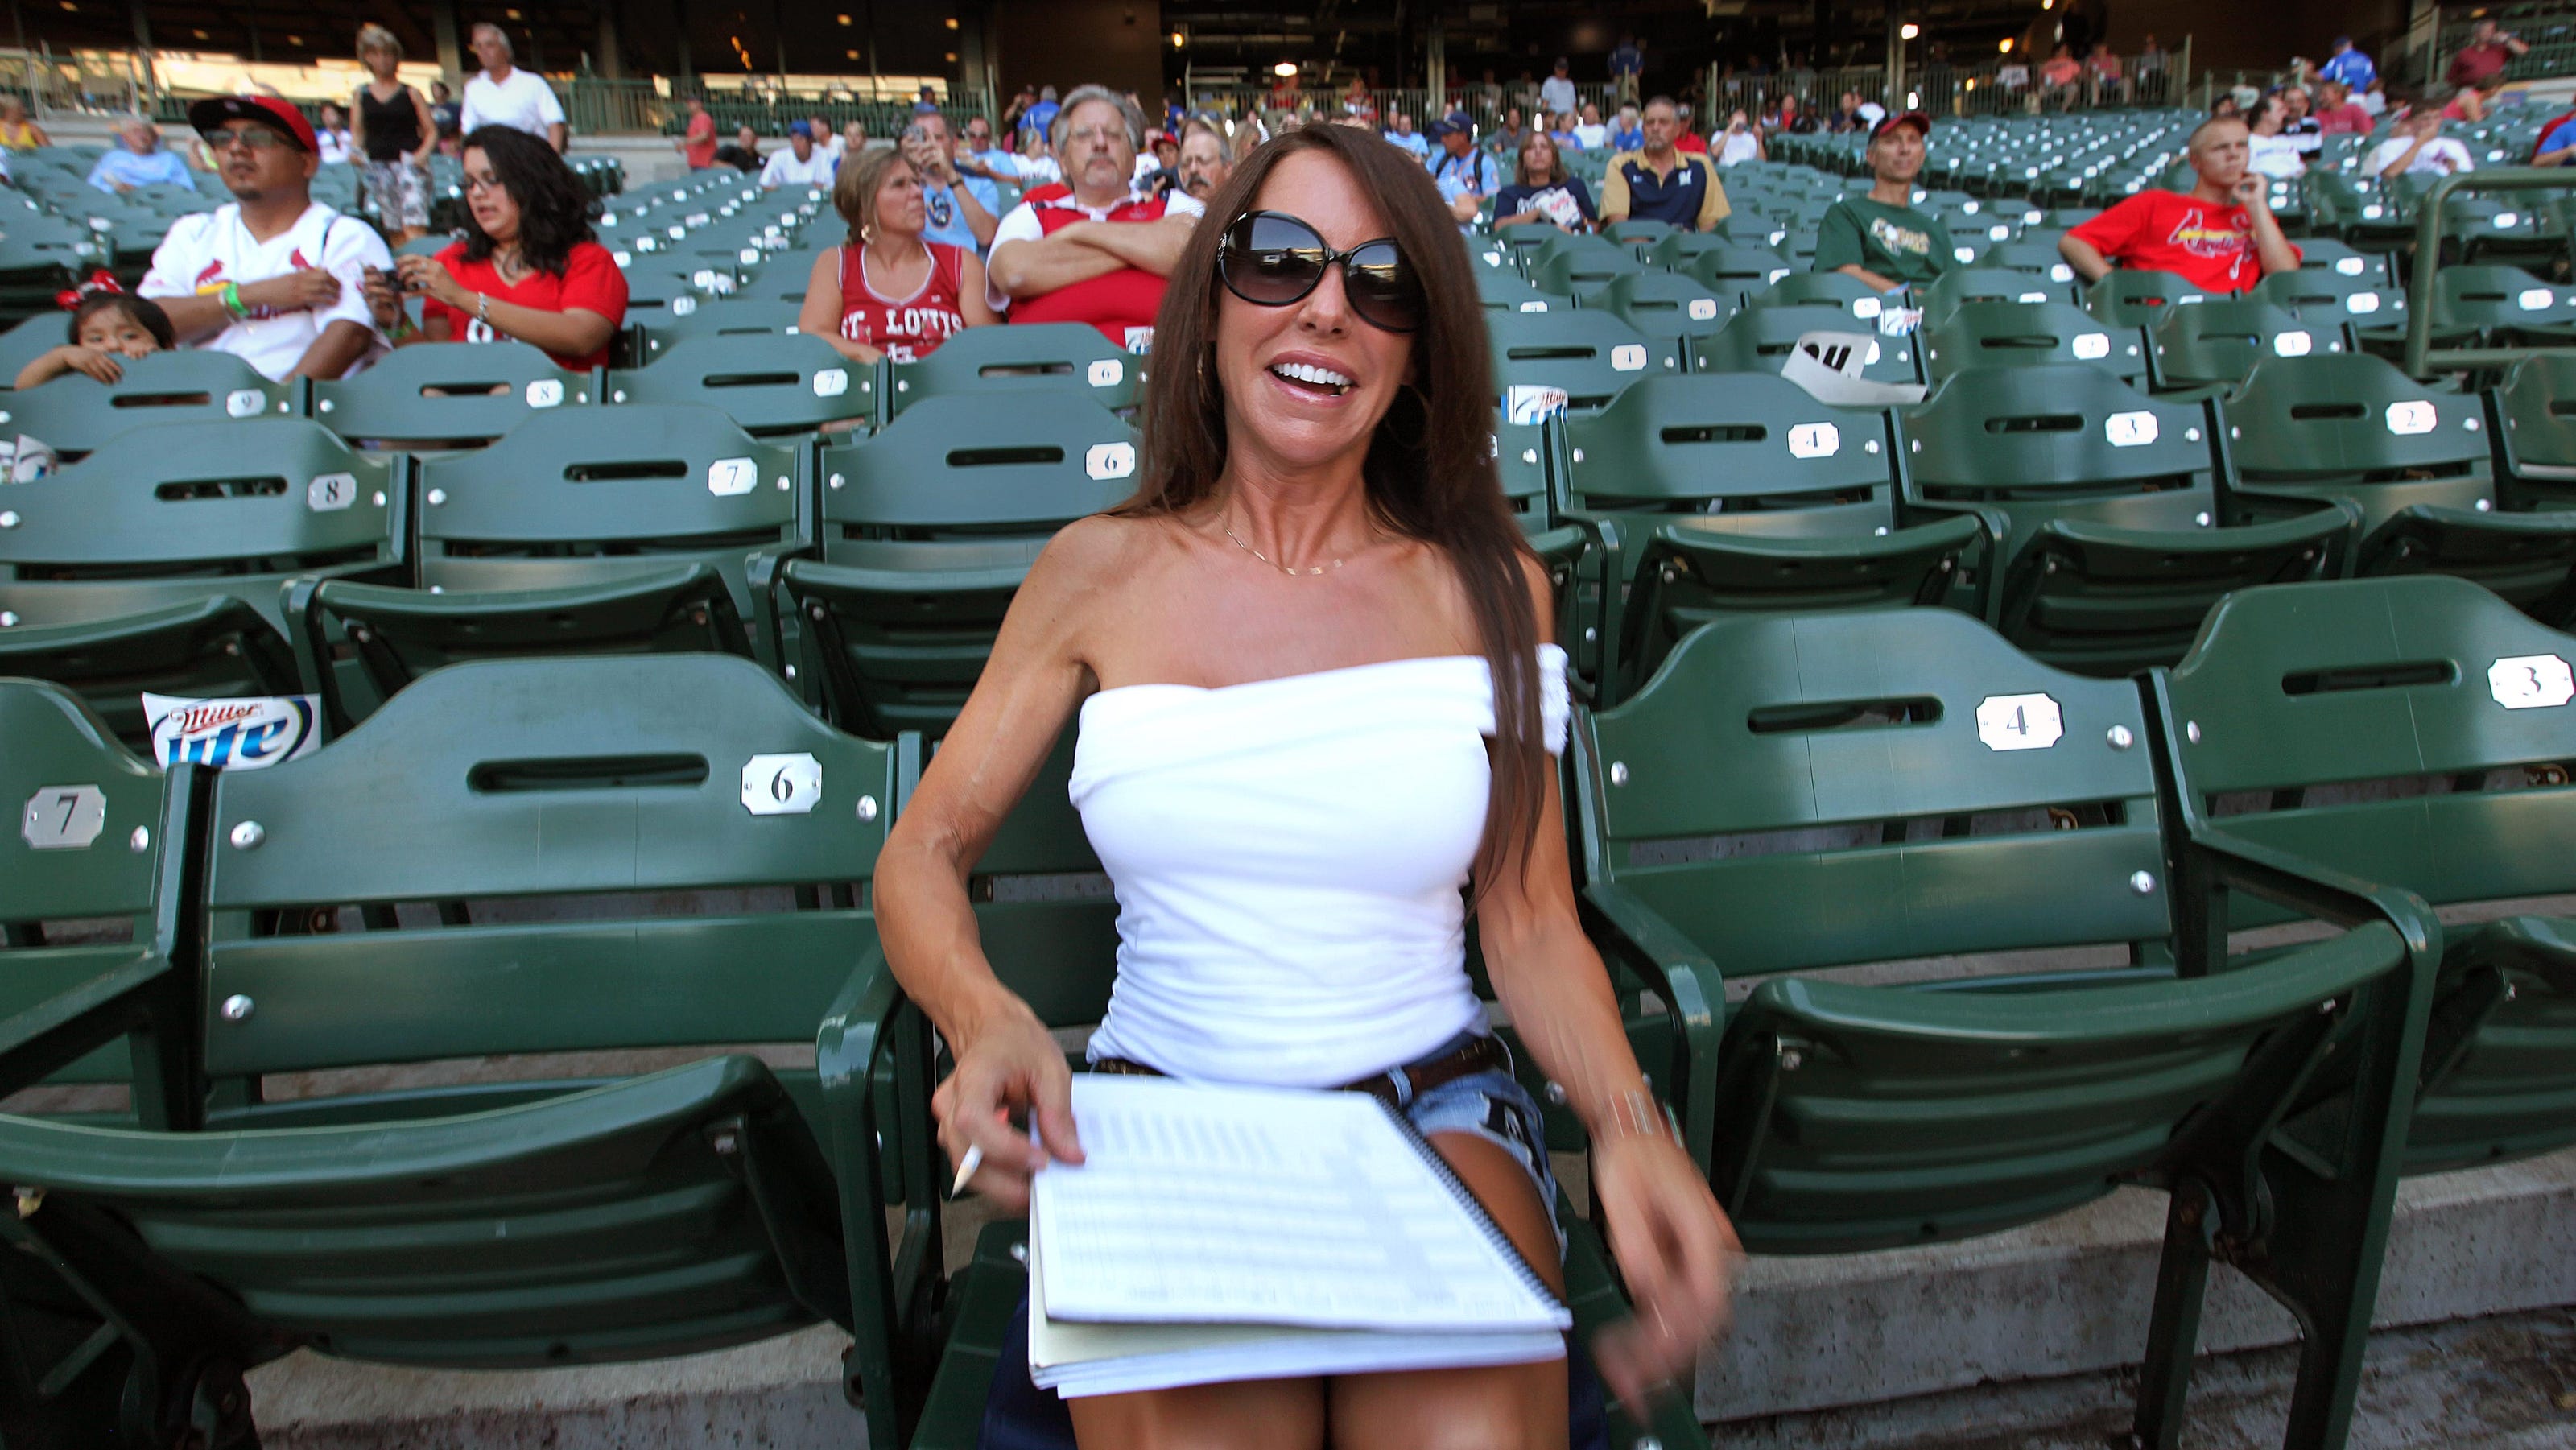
(1880,237)
(140,161)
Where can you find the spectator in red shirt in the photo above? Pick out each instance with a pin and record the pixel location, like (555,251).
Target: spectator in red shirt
(698,143)
(1690,139)
(1100,253)
(528,269)
(2486,55)
(2337,114)
(2220,236)
(887,291)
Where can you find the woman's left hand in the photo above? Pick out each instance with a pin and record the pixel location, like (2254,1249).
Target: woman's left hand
(425,276)
(1677,1253)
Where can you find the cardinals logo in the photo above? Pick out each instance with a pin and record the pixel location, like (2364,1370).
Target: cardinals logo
(2195,234)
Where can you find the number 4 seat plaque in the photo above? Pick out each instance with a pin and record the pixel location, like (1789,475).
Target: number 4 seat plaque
(2019,722)
(782,785)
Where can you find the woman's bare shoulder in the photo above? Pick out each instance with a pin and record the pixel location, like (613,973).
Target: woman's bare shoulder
(1089,558)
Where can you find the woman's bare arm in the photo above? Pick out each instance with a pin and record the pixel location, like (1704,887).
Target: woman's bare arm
(820,316)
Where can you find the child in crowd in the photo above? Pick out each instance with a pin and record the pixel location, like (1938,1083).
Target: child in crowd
(105,326)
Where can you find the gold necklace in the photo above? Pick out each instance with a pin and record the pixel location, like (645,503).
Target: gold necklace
(1287,569)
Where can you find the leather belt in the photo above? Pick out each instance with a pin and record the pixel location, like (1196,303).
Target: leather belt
(1391,1087)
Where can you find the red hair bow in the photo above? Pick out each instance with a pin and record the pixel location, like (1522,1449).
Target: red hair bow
(98,281)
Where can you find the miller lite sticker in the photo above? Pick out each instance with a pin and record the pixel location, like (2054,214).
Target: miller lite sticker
(251,733)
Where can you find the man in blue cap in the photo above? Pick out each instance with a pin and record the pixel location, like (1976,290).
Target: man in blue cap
(1464,174)
(801,164)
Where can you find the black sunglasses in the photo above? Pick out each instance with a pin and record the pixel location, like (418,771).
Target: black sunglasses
(1272,259)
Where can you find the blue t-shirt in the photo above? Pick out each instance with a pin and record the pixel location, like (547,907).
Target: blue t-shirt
(2352,68)
(1042,116)
(1416,142)
(947,220)
(123,167)
(1458,175)
(1632,139)
(2560,139)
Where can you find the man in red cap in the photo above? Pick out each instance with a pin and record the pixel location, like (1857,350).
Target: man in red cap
(272,276)
(2220,236)
(1880,237)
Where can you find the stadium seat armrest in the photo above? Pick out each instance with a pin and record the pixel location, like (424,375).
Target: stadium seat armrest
(1691,987)
(44,1037)
(760,575)
(2285,879)
(856,1026)
(308,634)
(847,1046)
(1995,526)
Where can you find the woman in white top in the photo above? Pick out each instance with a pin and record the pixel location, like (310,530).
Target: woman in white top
(1315,702)
(2268,151)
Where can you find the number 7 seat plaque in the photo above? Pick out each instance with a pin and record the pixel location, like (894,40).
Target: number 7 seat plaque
(63,817)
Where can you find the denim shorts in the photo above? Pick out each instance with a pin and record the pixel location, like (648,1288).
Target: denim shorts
(1493,1106)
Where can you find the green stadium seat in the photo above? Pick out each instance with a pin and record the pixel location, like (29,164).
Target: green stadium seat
(767,384)
(2217,342)
(1638,233)
(1663,305)
(2040,258)
(2414,465)
(2140,297)
(2107,504)
(2504,306)
(2325,254)
(1797,794)
(433,397)
(1986,284)
(1718,495)
(581,531)
(2532,417)
(1592,355)
(1737,268)
(1994,335)
(1505,291)
(1759,339)
(501,1224)
(1676,251)
(1831,289)
(1520,239)
(102,838)
(74,414)
(30,340)
(731,317)
(1053,355)
(2375,310)
(156,563)
(1572,265)
(927,528)
(2429,688)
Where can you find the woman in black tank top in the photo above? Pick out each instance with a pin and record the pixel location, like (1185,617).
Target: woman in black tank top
(393,135)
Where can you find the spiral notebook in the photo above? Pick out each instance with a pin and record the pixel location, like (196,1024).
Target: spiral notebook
(1217,1233)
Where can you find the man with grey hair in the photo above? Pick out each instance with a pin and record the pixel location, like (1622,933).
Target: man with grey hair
(1100,254)
(1207,159)
(503,95)
(138,160)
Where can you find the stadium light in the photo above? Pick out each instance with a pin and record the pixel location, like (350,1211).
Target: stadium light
(952,22)
(1910,30)
(1179,40)
(1284,69)
(2006,46)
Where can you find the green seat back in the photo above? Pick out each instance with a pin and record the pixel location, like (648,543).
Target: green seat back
(2325,297)
(2220,340)
(1988,335)
(927,528)
(1499,290)
(1759,340)
(156,561)
(732,317)
(2138,297)
(1573,264)
(1985,284)
(766,384)
(1676,251)
(2041,258)
(2328,255)
(1066,355)
(1592,355)
(2535,425)
(1737,268)
(447,396)
(1662,304)
(1638,232)
(2414,732)
(1831,289)
(74,414)
(30,340)
(2507,303)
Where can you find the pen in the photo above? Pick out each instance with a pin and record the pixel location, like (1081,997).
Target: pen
(966,1167)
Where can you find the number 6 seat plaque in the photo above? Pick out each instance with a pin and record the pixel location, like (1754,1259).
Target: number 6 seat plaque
(782,785)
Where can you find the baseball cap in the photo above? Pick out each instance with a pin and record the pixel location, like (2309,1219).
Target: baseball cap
(211,113)
(1458,121)
(801,128)
(1921,123)
(1158,137)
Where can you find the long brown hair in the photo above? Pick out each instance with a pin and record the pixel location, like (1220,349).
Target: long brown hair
(854,190)
(1430,468)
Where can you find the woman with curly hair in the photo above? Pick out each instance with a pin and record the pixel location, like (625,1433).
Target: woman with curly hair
(528,267)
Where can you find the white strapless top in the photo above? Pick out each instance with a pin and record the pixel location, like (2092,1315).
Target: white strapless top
(1288,856)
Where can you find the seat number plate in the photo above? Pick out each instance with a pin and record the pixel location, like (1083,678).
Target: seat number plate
(2409,418)
(1627,357)
(2537,299)
(1703,309)
(545,392)
(331,491)
(1814,440)
(2130,430)
(2291,344)
(727,477)
(2531,682)
(782,785)
(831,382)
(2019,722)
(2091,346)
(1110,460)
(1107,372)
(245,403)
(63,817)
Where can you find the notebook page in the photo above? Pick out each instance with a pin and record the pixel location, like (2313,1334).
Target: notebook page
(1200,1204)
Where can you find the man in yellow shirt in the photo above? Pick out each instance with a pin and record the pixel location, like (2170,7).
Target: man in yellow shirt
(1660,182)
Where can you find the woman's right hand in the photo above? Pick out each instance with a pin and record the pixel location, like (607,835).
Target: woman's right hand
(384,298)
(1012,1066)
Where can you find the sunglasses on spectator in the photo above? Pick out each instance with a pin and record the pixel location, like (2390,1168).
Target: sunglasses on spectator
(249,138)
(1272,259)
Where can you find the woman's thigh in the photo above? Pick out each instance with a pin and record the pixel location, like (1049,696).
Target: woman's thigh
(1244,1415)
(1492,1408)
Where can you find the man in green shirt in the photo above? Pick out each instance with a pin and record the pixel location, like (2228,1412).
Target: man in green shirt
(1881,238)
